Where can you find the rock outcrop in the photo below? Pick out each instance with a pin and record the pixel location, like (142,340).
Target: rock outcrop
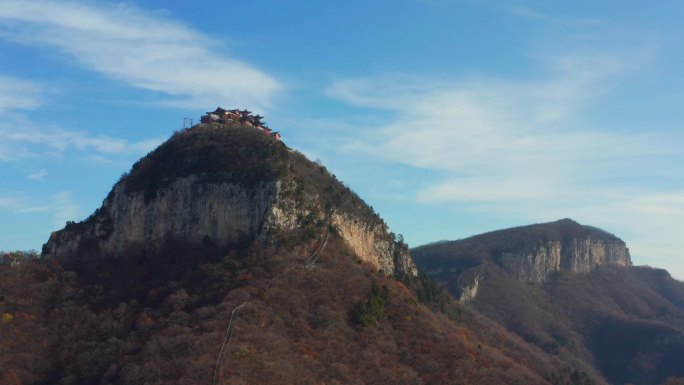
(530,253)
(187,212)
(468,290)
(224,186)
(578,255)
(372,244)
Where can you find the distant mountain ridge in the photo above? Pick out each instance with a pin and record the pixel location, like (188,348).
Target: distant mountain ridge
(571,290)
(532,253)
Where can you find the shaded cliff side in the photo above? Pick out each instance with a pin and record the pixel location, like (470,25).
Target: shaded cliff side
(224,186)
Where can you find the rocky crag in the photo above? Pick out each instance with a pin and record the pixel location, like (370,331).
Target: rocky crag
(578,255)
(530,253)
(225,185)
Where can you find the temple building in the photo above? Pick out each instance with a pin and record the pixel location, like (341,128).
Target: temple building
(223,116)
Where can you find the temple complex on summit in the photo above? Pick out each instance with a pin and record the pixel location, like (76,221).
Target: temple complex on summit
(223,116)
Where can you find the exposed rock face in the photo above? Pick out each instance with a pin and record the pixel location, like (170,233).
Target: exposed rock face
(186,211)
(529,253)
(372,244)
(403,262)
(585,255)
(580,255)
(193,208)
(533,265)
(469,291)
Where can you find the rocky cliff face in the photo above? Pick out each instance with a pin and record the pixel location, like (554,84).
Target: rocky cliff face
(186,211)
(372,244)
(529,253)
(180,195)
(578,255)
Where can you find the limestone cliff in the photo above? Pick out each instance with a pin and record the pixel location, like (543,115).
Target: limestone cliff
(372,244)
(224,186)
(187,211)
(578,255)
(529,253)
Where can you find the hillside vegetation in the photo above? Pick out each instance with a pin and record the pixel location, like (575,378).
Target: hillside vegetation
(292,303)
(160,321)
(305,284)
(627,322)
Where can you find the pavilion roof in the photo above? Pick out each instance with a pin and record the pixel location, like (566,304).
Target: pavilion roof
(218,110)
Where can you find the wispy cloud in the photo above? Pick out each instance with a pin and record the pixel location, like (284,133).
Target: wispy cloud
(519,9)
(10,202)
(61,139)
(35,141)
(21,138)
(513,127)
(526,148)
(527,12)
(18,94)
(61,207)
(38,175)
(141,49)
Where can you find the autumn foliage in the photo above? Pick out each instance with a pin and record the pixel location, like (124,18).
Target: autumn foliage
(157,320)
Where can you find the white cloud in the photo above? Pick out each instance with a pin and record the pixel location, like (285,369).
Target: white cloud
(33,142)
(9,202)
(38,175)
(519,9)
(526,12)
(527,149)
(485,190)
(528,128)
(10,152)
(20,138)
(507,127)
(18,94)
(61,207)
(141,49)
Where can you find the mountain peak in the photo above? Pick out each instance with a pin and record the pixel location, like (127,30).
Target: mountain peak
(231,152)
(224,184)
(566,222)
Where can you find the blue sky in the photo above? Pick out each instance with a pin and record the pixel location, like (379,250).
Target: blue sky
(451,118)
